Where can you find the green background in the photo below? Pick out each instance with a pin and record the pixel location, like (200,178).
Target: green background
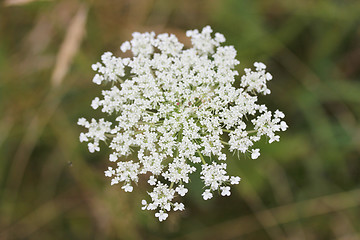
(307,186)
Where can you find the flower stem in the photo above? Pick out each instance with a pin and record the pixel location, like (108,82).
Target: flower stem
(251,131)
(202,157)
(226,130)
(110,135)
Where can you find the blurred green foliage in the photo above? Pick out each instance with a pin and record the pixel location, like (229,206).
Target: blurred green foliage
(304,187)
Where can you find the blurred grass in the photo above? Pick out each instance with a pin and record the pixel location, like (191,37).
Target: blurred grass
(305,187)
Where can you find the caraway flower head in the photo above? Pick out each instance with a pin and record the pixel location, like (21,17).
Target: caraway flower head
(178,109)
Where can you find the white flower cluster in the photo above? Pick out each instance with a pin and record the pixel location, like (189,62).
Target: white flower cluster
(178,109)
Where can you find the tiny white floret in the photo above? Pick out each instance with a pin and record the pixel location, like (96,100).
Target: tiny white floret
(161,215)
(225,191)
(255,153)
(207,194)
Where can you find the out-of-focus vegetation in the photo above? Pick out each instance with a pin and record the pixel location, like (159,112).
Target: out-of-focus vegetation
(307,186)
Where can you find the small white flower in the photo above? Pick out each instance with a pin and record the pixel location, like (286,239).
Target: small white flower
(93,147)
(110,172)
(279,114)
(152,180)
(82,122)
(167,206)
(234,180)
(283,126)
(151,206)
(127,188)
(98,79)
(219,38)
(179,206)
(144,203)
(255,153)
(225,191)
(268,76)
(115,180)
(259,66)
(207,194)
(83,137)
(95,67)
(161,215)
(95,103)
(113,157)
(125,46)
(181,190)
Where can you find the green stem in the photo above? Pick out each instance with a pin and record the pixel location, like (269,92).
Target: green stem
(149,111)
(137,132)
(228,131)
(110,135)
(202,157)
(251,131)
